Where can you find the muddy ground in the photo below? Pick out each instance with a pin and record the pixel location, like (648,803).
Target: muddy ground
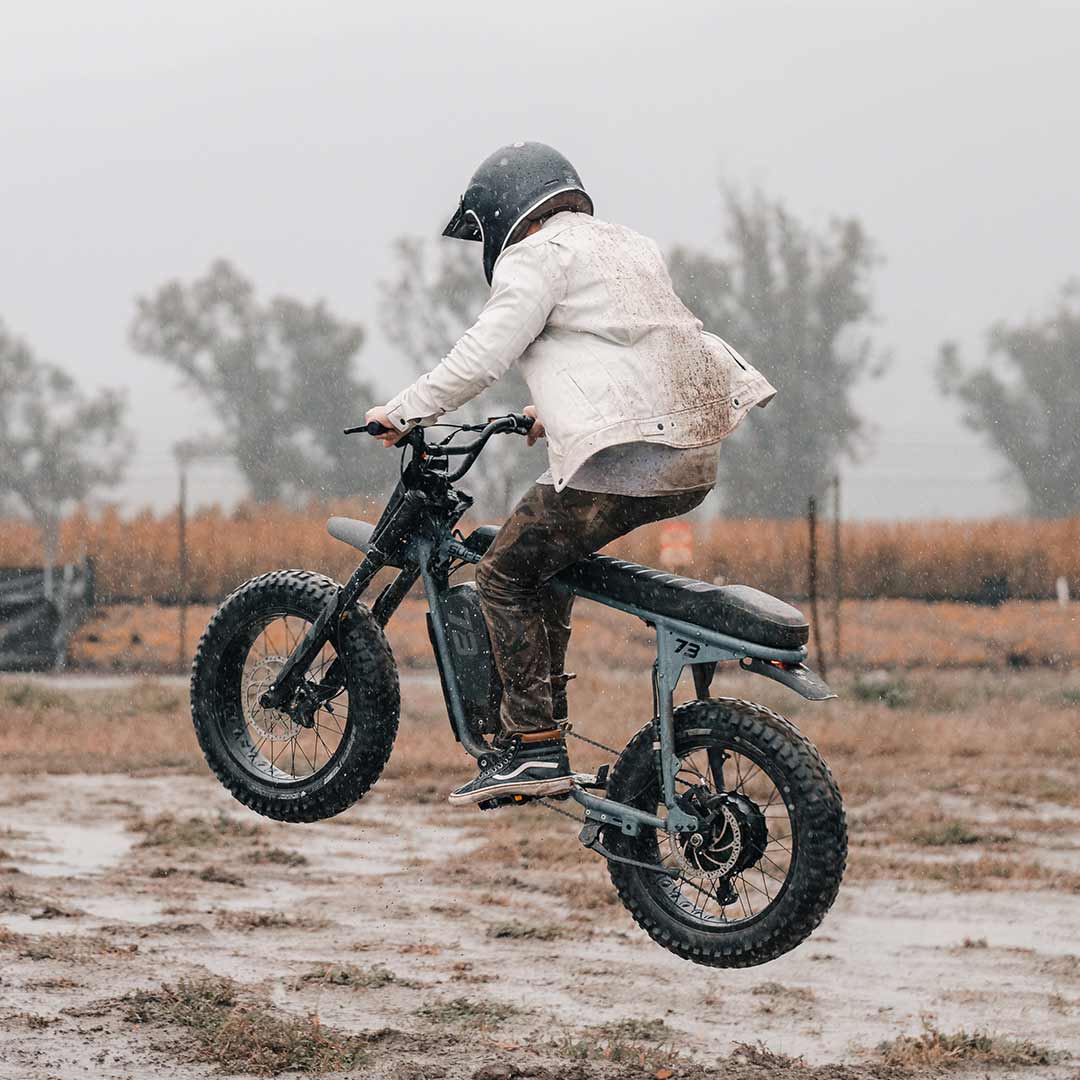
(150,926)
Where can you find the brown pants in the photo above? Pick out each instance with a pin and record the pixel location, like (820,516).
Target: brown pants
(528,617)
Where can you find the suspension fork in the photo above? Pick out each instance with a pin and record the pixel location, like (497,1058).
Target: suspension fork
(386,538)
(320,632)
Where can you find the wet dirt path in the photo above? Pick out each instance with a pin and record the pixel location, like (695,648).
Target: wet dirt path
(141,899)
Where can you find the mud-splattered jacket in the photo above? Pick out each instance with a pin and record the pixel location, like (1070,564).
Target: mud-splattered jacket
(609,352)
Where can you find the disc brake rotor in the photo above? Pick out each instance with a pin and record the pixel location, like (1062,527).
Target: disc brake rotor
(713,853)
(733,838)
(272,724)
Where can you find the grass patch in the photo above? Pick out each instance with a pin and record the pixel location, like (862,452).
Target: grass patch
(276,856)
(267,920)
(778,995)
(634,1030)
(760,1056)
(643,1042)
(34,698)
(221,877)
(11,900)
(526,931)
(70,948)
(936,1048)
(193,832)
(947,834)
(352,976)
(245,1035)
(889,689)
(479,1014)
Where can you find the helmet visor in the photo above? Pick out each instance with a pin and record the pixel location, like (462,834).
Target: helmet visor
(464,225)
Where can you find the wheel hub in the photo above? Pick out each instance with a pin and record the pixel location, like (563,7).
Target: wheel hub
(273,725)
(731,834)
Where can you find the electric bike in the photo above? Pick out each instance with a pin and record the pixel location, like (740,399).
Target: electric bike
(723,830)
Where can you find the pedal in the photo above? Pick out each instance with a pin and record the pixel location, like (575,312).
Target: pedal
(597,781)
(504,800)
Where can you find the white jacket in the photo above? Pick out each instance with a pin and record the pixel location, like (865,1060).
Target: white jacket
(609,352)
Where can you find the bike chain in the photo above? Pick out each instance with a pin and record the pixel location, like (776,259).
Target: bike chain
(568,730)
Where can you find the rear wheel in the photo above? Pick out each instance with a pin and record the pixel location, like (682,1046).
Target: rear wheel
(282,767)
(765,866)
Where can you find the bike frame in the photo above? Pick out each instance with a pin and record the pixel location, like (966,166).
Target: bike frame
(415,534)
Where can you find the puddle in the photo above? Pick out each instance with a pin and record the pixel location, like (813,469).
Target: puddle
(26,924)
(387,840)
(120,908)
(72,850)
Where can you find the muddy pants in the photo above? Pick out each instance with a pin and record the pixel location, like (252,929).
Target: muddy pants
(528,616)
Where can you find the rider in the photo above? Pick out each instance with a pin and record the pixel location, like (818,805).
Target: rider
(630,394)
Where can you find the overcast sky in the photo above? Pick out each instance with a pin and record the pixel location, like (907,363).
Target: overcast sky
(140,141)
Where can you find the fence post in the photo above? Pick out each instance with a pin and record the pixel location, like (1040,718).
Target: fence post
(181,525)
(837,570)
(812,584)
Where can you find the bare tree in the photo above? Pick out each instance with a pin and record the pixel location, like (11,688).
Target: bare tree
(430,299)
(58,444)
(280,377)
(1029,405)
(796,302)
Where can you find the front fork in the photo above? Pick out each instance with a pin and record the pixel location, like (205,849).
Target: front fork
(387,537)
(283,689)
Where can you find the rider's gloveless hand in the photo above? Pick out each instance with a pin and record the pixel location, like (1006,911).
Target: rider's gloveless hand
(380,415)
(537,431)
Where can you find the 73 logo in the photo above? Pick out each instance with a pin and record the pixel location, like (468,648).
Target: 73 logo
(690,648)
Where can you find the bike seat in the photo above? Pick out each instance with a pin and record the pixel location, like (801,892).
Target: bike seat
(737,610)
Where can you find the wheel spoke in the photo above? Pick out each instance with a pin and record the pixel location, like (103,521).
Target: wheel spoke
(692,887)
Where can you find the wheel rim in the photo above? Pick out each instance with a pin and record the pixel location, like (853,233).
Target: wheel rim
(269,743)
(709,887)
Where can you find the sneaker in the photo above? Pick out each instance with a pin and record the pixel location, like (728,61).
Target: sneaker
(530,765)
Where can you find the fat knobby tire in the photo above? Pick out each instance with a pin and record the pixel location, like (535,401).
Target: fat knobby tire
(371,681)
(814,806)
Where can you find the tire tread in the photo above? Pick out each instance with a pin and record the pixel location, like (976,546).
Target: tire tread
(822,852)
(373,692)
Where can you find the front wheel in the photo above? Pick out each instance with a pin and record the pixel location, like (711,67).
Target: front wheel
(281,767)
(766,862)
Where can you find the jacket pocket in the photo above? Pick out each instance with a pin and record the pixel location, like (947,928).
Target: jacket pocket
(583,402)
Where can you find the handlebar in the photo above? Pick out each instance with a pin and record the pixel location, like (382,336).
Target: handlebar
(512,423)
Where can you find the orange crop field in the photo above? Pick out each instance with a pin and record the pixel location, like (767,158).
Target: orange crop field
(894,634)
(137,558)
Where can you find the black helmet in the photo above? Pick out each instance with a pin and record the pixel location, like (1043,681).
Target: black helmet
(514,186)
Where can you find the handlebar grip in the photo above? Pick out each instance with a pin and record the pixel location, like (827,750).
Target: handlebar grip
(371,428)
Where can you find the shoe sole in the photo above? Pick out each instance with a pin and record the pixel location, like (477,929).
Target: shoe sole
(558,786)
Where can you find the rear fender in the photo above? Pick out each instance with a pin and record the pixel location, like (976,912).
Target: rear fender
(797,677)
(351,531)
